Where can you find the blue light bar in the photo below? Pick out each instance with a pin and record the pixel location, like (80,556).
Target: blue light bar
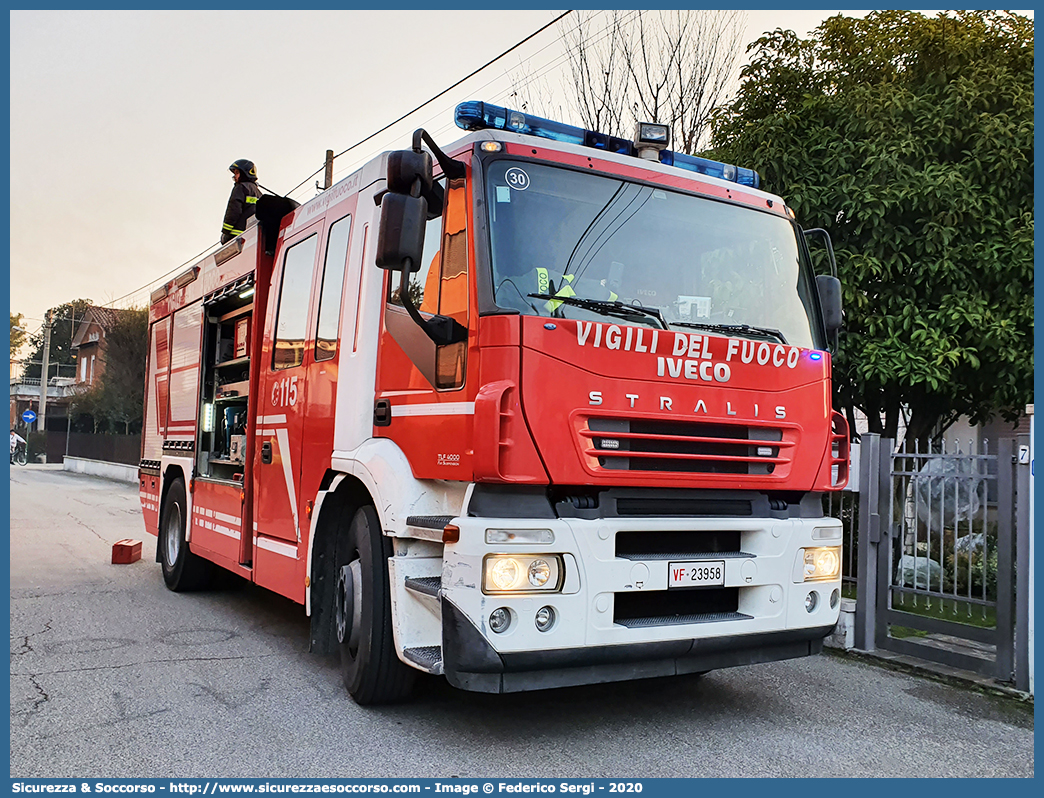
(705,166)
(478,115)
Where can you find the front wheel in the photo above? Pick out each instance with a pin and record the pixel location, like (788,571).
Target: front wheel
(371,670)
(182,570)
(20,457)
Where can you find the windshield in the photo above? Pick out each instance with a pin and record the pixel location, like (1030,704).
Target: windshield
(564,233)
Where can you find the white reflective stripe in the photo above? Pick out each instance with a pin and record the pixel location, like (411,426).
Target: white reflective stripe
(283,438)
(272,420)
(440,409)
(228,519)
(229,533)
(275,547)
(265,432)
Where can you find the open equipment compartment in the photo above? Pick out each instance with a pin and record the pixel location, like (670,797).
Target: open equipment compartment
(228,326)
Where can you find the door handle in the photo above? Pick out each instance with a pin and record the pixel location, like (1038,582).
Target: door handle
(266,452)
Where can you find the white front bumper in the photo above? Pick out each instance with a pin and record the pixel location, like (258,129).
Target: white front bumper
(769,598)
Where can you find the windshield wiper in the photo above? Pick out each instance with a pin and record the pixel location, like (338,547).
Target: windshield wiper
(742,329)
(619,309)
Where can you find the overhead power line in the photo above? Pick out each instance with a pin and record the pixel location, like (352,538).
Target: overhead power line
(593,38)
(445,91)
(432,99)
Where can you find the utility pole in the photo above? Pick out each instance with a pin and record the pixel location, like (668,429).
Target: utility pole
(328,180)
(42,415)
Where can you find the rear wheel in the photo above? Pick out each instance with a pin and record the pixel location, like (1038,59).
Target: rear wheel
(182,570)
(371,670)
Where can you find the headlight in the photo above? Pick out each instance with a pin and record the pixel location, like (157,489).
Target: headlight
(822,563)
(521,573)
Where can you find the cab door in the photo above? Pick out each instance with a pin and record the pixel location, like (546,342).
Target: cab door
(280,427)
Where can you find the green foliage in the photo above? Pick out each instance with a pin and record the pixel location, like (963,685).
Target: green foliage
(910,139)
(35,445)
(64,321)
(17,333)
(116,400)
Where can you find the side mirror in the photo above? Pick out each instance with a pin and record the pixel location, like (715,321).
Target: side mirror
(407,166)
(401,235)
(830,301)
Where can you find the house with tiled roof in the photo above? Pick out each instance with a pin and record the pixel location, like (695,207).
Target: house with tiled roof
(89,343)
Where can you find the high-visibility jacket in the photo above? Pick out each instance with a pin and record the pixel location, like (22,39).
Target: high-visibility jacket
(546,284)
(241,206)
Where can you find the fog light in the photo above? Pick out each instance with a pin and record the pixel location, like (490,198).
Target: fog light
(811,601)
(835,597)
(499,620)
(539,573)
(545,618)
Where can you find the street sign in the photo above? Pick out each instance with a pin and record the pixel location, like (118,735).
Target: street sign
(29,416)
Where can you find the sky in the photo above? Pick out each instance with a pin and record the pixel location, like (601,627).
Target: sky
(123,123)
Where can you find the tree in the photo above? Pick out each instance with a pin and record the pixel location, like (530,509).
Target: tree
(910,139)
(64,321)
(672,67)
(117,398)
(17,334)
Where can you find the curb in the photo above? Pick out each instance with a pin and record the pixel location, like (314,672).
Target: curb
(934,671)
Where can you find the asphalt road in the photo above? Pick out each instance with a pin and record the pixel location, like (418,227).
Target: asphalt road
(114,676)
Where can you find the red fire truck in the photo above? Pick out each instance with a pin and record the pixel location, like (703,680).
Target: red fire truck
(542,408)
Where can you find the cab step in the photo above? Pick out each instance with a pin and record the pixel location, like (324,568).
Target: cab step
(427,527)
(427,589)
(427,657)
(426,585)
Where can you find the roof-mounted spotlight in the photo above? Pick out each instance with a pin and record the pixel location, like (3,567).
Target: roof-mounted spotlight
(650,138)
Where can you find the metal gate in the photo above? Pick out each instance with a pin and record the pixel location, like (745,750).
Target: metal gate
(945,575)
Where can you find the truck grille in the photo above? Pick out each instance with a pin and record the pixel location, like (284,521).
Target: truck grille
(702,447)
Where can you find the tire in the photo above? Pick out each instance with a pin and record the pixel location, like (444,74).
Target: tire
(182,570)
(20,457)
(371,670)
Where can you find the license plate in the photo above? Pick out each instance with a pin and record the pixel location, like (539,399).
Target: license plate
(700,573)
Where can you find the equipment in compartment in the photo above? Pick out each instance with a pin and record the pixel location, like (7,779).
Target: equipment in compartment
(223,351)
(237,448)
(222,454)
(242,336)
(235,427)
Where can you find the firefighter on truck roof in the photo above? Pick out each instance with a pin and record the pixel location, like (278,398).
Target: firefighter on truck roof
(242,201)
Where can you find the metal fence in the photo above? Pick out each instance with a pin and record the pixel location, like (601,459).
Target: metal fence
(931,538)
(947,546)
(947,574)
